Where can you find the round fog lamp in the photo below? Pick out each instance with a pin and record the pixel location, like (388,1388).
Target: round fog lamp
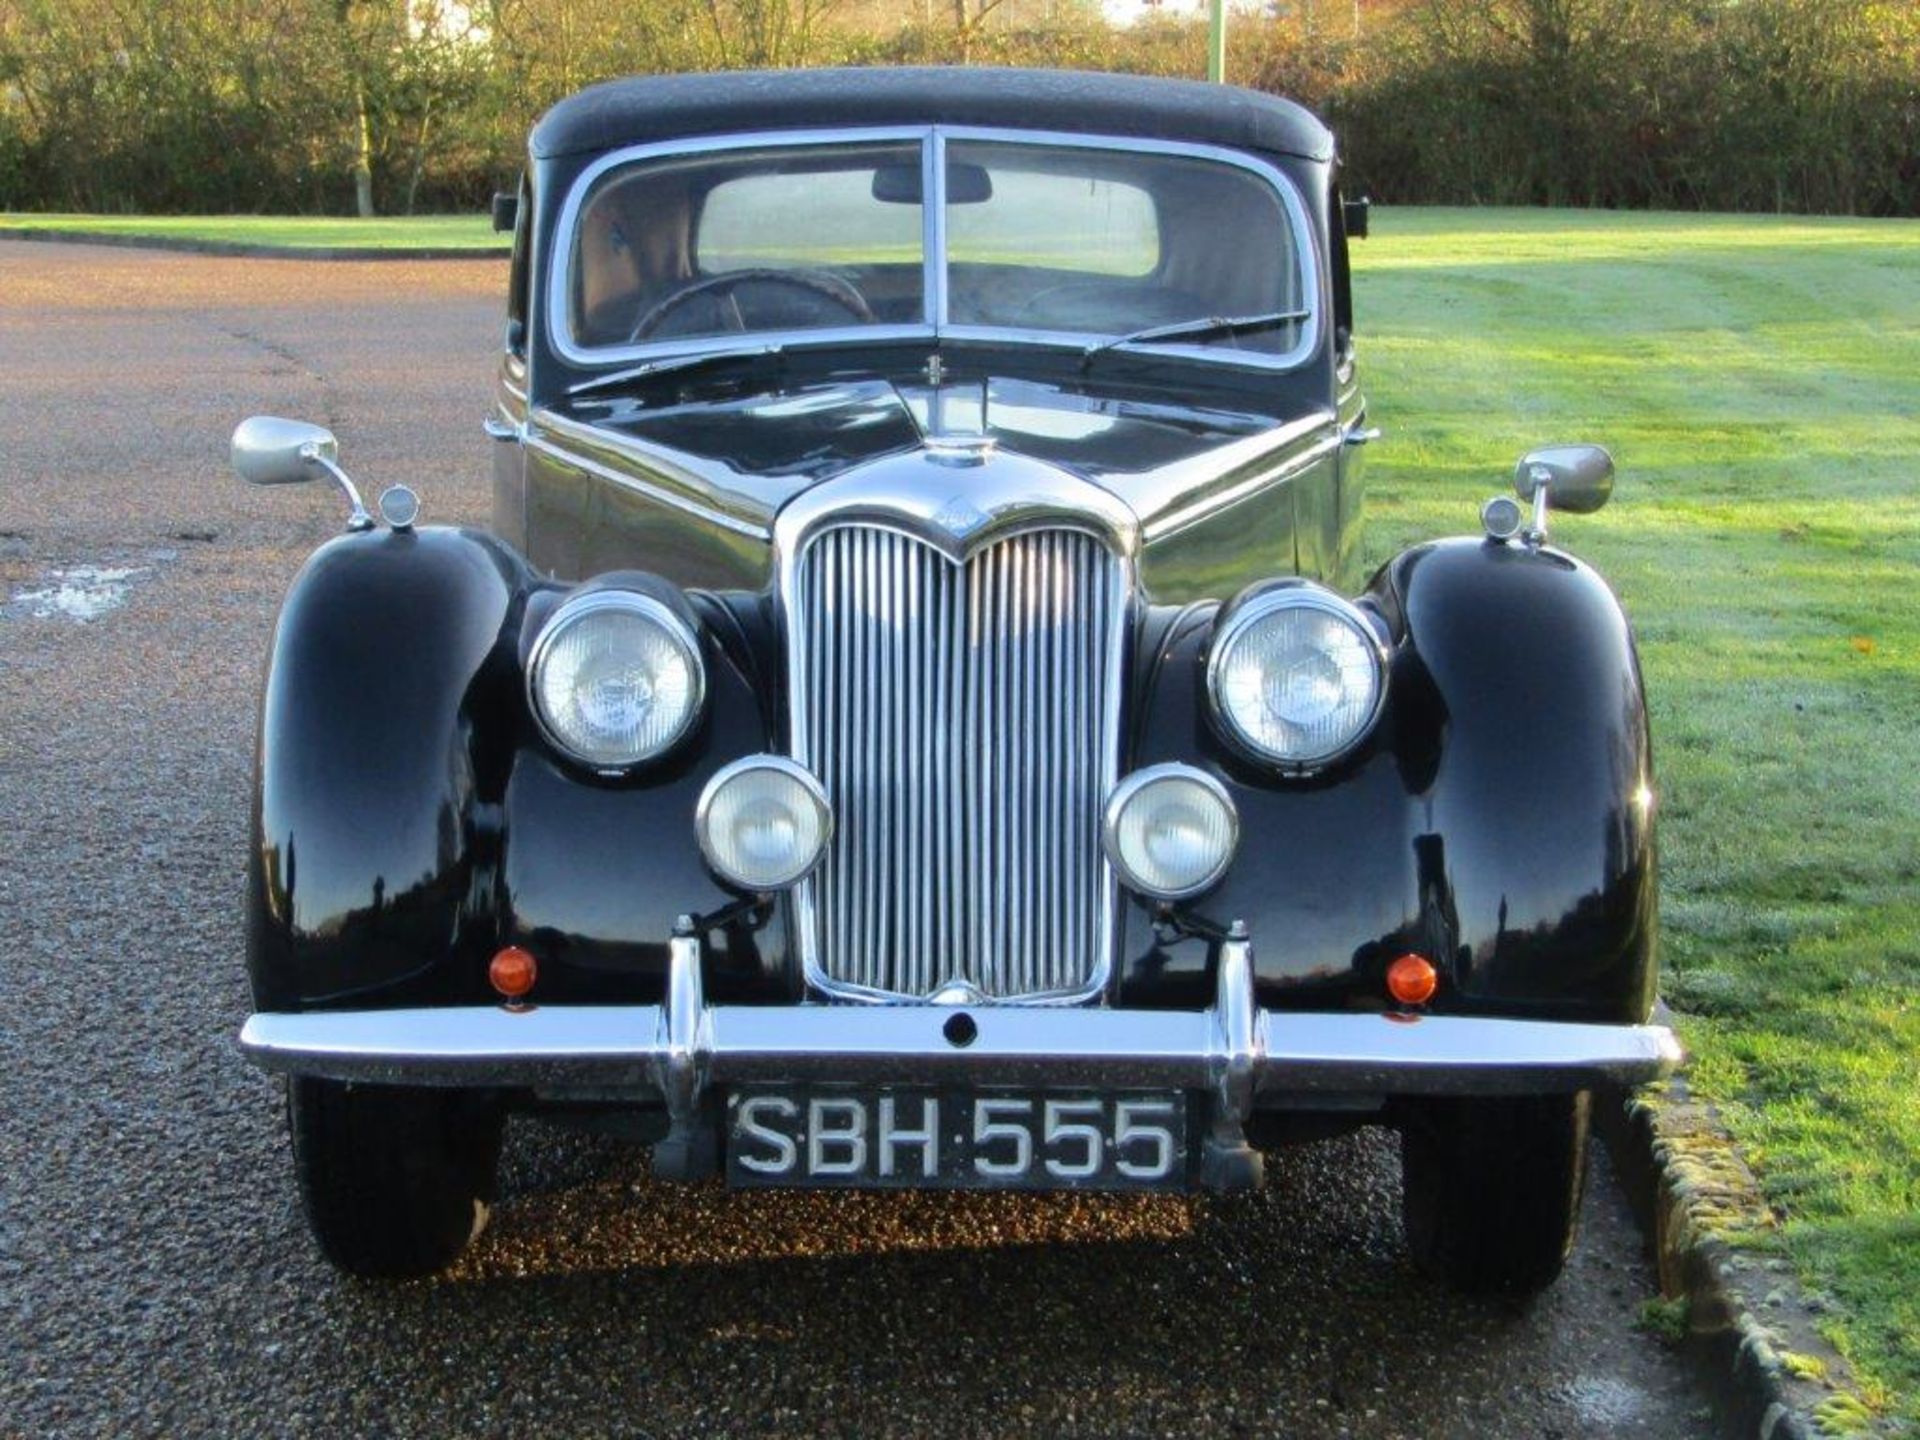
(763,822)
(1170,831)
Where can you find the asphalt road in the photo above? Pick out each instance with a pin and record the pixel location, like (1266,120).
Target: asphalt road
(155,1273)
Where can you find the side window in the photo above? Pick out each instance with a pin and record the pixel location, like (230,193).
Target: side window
(517,272)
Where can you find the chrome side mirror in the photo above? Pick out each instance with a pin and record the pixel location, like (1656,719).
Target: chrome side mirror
(270,451)
(1574,478)
(1577,478)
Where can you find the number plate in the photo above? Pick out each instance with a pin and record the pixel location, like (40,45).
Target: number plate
(956,1139)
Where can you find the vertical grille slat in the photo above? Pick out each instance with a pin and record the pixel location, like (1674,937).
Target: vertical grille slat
(962,718)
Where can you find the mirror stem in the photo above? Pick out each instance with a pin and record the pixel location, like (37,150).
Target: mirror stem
(1536,535)
(357,517)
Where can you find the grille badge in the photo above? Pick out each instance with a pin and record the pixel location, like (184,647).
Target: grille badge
(960,517)
(957,992)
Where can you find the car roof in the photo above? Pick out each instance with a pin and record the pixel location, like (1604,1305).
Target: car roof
(671,107)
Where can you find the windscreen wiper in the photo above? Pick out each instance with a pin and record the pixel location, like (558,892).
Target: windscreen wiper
(619,379)
(1212,327)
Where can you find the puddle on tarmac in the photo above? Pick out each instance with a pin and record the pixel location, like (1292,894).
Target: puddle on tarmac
(1602,1401)
(78,592)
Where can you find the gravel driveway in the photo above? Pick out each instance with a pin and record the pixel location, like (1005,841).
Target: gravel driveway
(155,1274)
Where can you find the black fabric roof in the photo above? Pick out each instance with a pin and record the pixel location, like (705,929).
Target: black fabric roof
(666,107)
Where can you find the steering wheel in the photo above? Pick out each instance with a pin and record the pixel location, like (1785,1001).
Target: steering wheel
(817,284)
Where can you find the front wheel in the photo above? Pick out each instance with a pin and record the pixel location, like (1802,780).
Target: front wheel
(396,1179)
(1492,1188)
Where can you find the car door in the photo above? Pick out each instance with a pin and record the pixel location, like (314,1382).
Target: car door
(507,419)
(1348,217)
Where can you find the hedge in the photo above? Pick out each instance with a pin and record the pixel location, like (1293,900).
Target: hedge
(272,105)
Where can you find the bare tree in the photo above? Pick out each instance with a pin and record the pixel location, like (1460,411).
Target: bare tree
(766,32)
(969,19)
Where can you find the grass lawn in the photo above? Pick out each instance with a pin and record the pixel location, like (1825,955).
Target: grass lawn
(1758,380)
(443,232)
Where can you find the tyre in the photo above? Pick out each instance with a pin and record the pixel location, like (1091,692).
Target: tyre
(1492,1188)
(396,1180)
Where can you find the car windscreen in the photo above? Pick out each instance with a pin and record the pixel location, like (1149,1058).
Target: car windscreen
(1109,242)
(754,241)
(1042,238)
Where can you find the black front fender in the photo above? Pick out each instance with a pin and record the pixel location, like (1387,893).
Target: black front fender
(1498,821)
(372,762)
(409,820)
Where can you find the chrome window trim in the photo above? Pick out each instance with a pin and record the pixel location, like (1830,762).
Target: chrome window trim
(933,191)
(934,326)
(634,602)
(1034,496)
(1305,595)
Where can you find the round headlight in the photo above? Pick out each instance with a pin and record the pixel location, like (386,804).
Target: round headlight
(1297,676)
(763,822)
(615,678)
(1170,830)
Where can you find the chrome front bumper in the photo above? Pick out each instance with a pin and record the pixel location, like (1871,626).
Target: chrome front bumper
(1234,1050)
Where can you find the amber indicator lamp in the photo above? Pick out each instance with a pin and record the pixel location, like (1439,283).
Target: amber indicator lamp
(1412,980)
(513,971)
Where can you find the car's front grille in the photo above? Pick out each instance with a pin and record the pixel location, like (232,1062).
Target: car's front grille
(964,720)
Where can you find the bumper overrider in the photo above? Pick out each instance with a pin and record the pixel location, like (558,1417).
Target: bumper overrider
(1240,1055)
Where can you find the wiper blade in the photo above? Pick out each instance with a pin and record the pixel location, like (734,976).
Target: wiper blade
(619,379)
(1212,327)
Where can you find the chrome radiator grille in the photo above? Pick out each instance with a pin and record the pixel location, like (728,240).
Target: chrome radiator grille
(964,720)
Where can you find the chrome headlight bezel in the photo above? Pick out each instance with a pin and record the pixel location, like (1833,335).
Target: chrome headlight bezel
(649,608)
(810,788)
(1240,618)
(1128,791)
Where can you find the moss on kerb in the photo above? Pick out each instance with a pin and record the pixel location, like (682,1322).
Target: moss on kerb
(1802,1366)
(1664,1318)
(1843,1415)
(1713,1234)
(1716,1196)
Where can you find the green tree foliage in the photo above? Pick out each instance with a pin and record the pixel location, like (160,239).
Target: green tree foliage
(1721,104)
(273,105)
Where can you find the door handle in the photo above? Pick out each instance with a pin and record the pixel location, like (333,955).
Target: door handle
(500,429)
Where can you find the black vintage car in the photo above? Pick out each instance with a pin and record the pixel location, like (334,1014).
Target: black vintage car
(916,720)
